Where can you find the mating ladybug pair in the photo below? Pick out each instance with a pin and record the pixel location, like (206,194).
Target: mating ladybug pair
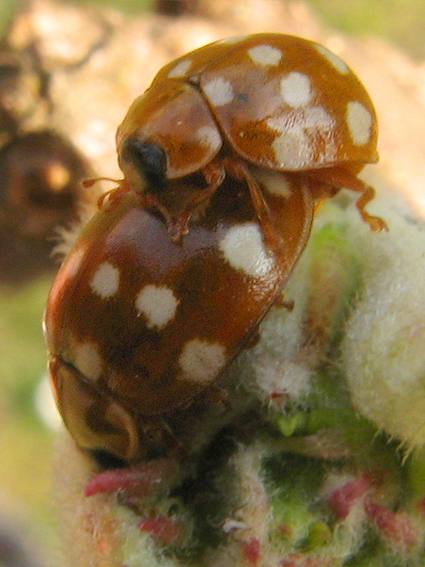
(225,157)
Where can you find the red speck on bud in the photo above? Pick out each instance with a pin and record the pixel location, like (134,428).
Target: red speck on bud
(285,529)
(252,550)
(298,560)
(162,528)
(348,495)
(395,526)
(421,506)
(143,480)
(277,395)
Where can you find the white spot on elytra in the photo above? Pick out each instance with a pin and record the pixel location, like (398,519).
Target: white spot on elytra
(219,91)
(295,89)
(209,136)
(243,248)
(106,280)
(359,121)
(265,55)
(88,360)
(316,117)
(274,182)
(201,360)
(157,304)
(180,69)
(333,59)
(294,146)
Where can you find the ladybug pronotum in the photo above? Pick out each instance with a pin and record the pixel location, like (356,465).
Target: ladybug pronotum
(225,157)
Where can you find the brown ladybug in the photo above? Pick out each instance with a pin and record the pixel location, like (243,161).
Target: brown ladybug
(268,100)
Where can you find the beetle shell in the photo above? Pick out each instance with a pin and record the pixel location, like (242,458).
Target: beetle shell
(137,325)
(281,102)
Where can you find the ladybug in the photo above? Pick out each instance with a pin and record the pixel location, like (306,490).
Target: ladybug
(272,101)
(225,158)
(139,326)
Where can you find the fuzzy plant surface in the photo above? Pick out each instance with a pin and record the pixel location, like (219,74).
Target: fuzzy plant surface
(322,462)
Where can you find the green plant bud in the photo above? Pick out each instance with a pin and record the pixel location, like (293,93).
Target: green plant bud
(383,353)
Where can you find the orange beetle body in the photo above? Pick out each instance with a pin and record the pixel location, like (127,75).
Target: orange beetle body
(281,102)
(225,157)
(274,101)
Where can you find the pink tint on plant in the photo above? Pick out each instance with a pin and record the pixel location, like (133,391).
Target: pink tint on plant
(348,495)
(395,526)
(146,479)
(162,528)
(252,550)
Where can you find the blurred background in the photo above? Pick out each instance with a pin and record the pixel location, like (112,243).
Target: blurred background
(401,22)
(67,74)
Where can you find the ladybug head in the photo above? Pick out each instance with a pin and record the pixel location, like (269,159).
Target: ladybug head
(144,165)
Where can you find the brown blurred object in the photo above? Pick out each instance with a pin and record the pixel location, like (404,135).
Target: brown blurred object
(72,71)
(40,171)
(14,550)
(40,178)
(177,7)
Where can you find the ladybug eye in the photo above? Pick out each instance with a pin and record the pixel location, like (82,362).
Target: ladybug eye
(147,162)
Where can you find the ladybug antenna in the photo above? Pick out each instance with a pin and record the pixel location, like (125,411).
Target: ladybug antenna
(91,182)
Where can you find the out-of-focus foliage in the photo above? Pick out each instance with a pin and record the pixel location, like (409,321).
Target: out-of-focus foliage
(402,22)
(125,5)
(25,441)
(399,21)
(7,10)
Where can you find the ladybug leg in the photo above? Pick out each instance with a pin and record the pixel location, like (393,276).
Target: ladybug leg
(148,200)
(176,229)
(178,221)
(218,396)
(214,174)
(280,301)
(327,182)
(240,171)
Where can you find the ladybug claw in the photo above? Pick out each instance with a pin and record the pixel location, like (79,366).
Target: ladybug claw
(178,229)
(375,223)
(286,304)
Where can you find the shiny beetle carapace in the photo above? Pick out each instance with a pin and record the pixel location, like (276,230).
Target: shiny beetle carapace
(225,157)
